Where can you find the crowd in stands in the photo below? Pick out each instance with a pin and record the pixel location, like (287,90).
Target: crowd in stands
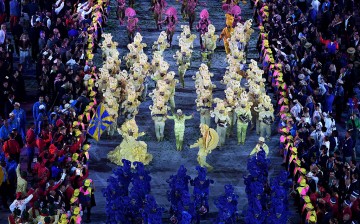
(310,51)
(44,157)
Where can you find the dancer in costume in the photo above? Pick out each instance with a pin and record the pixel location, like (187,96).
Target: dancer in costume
(202,26)
(266,117)
(222,120)
(182,60)
(208,41)
(227,205)
(132,23)
(161,44)
(170,20)
(158,113)
(208,141)
(179,127)
(190,11)
(201,192)
(204,89)
(120,12)
(243,113)
(158,8)
(130,149)
(260,147)
(230,102)
(227,31)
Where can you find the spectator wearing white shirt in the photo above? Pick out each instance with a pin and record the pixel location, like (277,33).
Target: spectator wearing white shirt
(20,202)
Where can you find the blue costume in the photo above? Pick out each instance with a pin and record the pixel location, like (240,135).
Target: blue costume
(179,186)
(227,206)
(201,192)
(152,213)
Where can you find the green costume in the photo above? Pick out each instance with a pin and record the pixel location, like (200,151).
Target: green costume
(179,128)
(244,116)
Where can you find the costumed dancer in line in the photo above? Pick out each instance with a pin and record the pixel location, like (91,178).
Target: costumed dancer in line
(227,31)
(208,142)
(222,119)
(120,12)
(202,26)
(130,149)
(260,147)
(179,127)
(190,11)
(204,89)
(187,36)
(254,96)
(135,50)
(243,112)
(161,44)
(183,60)
(132,23)
(230,102)
(227,206)
(266,117)
(170,20)
(201,192)
(208,41)
(158,8)
(179,190)
(158,112)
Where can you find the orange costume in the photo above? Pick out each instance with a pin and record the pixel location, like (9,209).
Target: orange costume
(227,31)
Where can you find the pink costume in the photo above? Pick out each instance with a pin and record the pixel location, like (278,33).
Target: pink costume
(233,9)
(158,9)
(236,12)
(203,24)
(171,19)
(132,22)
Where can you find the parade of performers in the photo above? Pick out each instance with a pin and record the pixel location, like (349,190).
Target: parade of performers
(188,112)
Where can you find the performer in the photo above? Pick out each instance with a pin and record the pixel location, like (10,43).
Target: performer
(158,8)
(230,102)
(243,113)
(183,61)
(130,149)
(179,127)
(161,44)
(208,40)
(202,26)
(190,11)
(158,114)
(120,12)
(266,118)
(227,31)
(208,141)
(261,146)
(171,20)
(204,89)
(201,192)
(222,120)
(132,23)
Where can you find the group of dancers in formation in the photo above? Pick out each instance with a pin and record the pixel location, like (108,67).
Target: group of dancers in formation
(123,90)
